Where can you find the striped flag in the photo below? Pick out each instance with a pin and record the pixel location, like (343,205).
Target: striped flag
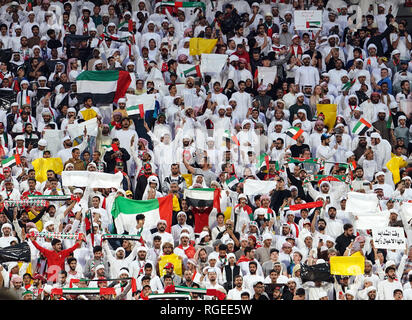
(203,197)
(124,212)
(187,4)
(138,105)
(263,158)
(361,127)
(11,161)
(105,86)
(294,132)
(348,85)
(313,24)
(193,72)
(229,136)
(231,182)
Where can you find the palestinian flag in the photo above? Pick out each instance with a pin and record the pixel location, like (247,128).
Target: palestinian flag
(105,86)
(11,161)
(193,72)
(294,132)
(361,127)
(348,85)
(313,24)
(124,212)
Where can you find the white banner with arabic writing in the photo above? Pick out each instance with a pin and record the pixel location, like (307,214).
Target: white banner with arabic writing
(389,238)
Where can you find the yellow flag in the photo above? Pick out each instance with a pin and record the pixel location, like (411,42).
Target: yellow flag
(394,165)
(173,259)
(28,270)
(176,205)
(41,165)
(228,213)
(188,177)
(197,46)
(88,114)
(329,111)
(347,266)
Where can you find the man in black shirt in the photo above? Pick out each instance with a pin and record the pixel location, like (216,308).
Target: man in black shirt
(260,293)
(312,50)
(297,149)
(344,239)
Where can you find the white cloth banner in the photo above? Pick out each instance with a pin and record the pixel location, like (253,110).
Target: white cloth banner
(212,62)
(91,179)
(362,203)
(165,90)
(406,214)
(308,19)
(372,221)
(389,238)
(54,140)
(267,75)
(252,187)
(77,129)
(148,101)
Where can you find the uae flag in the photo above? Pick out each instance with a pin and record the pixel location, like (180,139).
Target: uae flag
(193,72)
(138,105)
(105,86)
(348,85)
(361,127)
(11,161)
(187,4)
(231,182)
(124,212)
(200,197)
(313,24)
(232,138)
(294,132)
(263,158)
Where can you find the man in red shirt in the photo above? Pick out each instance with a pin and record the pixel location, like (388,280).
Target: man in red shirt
(56,257)
(32,189)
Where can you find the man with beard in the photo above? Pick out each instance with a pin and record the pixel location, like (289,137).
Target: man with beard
(361,147)
(300,104)
(307,74)
(381,125)
(112,157)
(370,107)
(137,267)
(386,287)
(160,231)
(325,151)
(66,153)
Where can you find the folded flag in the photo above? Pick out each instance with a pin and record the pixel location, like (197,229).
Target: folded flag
(11,161)
(348,85)
(88,221)
(347,265)
(263,158)
(207,197)
(138,105)
(124,212)
(294,132)
(91,179)
(232,138)
(361,127)
(105,86)
(231,182)
(197,46)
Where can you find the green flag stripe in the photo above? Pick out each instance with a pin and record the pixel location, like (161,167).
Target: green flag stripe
(106,75)
(129,206)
